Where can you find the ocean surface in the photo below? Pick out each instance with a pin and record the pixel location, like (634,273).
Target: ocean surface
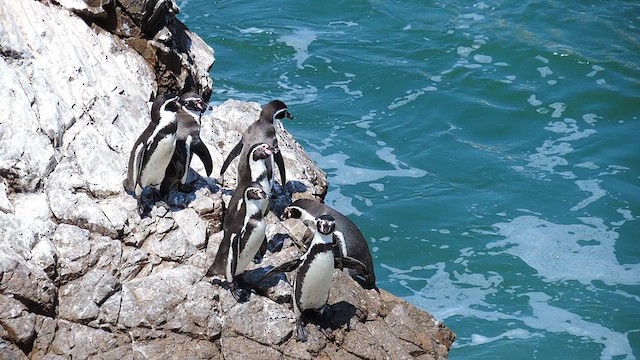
(490,152)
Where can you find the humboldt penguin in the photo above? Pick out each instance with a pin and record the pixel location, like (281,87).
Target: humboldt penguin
(154,148)
(241,241)
(315,272)
(188,142)
(257,162)
(261,131)
(353,242)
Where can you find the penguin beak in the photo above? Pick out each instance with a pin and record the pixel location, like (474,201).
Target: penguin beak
(203,106)
(288,115)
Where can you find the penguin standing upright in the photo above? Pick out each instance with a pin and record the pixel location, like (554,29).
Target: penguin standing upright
(154,148)
(315,272)
(256,159)
(354,243)
(188,142)
(261,131)
(243,238)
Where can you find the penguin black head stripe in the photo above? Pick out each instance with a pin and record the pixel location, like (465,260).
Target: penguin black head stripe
(275,109)
(194,104)
(297,212)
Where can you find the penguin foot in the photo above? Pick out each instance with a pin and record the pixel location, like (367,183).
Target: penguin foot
(327,332)
(143,211)
(240,294)
(301,332)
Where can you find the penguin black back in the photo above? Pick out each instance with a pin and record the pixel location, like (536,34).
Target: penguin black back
(356,244)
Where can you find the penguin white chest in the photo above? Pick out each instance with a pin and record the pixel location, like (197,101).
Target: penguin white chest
(316,283)
(153,172)
(251,246)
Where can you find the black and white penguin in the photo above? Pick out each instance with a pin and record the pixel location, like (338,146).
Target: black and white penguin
(154,148)
(257,161)
(242,239)
(353,242)
(315,272)
(188,142)
(261,131)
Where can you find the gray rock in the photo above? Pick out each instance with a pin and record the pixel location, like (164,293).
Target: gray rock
(81,274)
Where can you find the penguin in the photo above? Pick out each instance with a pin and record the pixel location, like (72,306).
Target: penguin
(315,272)
(188,142)
(353,242)
(241,241)
(257,162)
(261,131)
(153,149)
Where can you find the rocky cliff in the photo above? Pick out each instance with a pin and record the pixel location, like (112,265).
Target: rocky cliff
(81,274)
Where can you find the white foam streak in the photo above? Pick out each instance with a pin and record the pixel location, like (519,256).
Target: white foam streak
(553,319)
(592,186)
(300,41)
(560,252)
(344,174)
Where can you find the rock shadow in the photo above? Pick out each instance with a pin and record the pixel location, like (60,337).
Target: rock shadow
(180,197)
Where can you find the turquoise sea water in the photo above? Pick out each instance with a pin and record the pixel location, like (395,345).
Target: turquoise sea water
(489,150)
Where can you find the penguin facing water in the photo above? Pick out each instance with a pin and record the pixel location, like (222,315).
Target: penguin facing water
(261,131)
(154,148)
(188,142)
(315,272)
(353,242)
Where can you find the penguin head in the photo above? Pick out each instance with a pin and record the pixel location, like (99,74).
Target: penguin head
(255,192)
(275,109)
(325,224)
(297,212)
(194,102)
(260,151)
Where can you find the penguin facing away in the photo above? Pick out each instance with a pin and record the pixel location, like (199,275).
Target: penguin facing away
(261,131)
(188,142)
(241,241)
(315,272)
(353,242)
(153,149)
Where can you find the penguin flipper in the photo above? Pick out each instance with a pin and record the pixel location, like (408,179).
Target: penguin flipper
(232,155)
(135,168)
(219,263)
(286,267)
(277,157)
(342,262)
(200,149)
